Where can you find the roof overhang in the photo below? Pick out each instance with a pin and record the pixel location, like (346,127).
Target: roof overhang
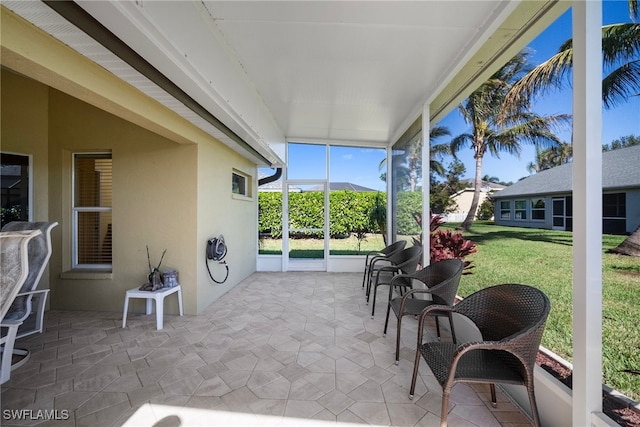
(269,72)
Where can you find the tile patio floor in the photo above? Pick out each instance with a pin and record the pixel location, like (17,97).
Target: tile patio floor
(280,349)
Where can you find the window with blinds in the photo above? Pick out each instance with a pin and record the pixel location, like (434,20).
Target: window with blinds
(92,204)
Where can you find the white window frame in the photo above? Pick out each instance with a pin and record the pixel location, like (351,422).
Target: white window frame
(543,209)
(516,210)
(506,210)
(75,211)
(244,190)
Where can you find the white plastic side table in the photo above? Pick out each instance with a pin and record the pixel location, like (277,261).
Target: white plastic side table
(158,295)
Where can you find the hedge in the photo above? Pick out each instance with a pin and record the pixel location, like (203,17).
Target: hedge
(349,212)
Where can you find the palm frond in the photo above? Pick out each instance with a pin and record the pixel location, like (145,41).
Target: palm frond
(621,84)
(620,42)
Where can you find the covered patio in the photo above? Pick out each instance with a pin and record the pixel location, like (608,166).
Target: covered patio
(185,108)
(280,349)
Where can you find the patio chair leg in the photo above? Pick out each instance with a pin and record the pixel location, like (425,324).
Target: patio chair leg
(386,320)
(494,401)
(398,340)
(445,408)
(415,374)
(438,328)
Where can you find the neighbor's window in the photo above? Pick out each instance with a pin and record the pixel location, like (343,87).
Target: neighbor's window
(614,212)
(240,184)
(92,206)
(505,209)
(537,209)
(520,209)
(14,188)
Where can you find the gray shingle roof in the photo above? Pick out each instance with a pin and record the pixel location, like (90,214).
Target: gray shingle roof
(620,169)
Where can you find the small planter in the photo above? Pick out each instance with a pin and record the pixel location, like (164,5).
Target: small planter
(553,381)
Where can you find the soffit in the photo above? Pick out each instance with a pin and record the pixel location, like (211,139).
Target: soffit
(348,72)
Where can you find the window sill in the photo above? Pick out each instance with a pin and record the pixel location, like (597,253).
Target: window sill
(241,197)
(84,274)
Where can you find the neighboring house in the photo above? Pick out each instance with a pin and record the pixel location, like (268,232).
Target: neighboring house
(544,200)
(276,186)
(464,197)
(340,186)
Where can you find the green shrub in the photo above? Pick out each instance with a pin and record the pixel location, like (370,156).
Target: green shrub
(408,204)
(349,212)
(485,211)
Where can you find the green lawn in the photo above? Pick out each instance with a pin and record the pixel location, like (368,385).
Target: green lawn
(312,248)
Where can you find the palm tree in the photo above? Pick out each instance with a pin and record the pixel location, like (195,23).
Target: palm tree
(621,62)
(493,130)
(408,167)
(551,157)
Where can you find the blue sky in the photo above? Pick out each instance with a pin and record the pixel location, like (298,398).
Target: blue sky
(619,121)
(360,166)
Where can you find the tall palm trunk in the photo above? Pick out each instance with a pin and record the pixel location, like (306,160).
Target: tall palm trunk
(477,187)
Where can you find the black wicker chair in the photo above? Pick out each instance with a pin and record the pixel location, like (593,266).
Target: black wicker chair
(511,320)
(404,262)
(379,255)
(441,280)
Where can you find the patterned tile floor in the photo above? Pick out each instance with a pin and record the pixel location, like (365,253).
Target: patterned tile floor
(280,349)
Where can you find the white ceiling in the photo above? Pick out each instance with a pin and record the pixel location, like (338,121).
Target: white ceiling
(344,71)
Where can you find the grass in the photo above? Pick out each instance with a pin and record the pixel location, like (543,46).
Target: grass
(543,258)
(312,248)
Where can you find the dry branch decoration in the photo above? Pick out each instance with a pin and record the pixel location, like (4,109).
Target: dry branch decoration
(154,279)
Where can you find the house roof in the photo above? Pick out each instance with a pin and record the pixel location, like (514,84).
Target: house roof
(620,169)
(338,186)
(333,186)
(486,185)
(256,74)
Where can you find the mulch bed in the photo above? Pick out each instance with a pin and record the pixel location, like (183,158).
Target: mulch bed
(615,408)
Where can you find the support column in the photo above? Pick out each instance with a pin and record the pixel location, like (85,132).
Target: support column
(426,190)
(587,210)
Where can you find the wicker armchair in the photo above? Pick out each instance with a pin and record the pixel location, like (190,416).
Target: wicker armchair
(511,320)
(404,262)
(378,255)
(441,280)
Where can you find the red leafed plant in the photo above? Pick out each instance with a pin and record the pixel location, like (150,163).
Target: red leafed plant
(445,244)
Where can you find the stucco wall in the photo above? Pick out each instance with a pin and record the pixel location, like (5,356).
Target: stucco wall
(24,130)
(222,212)
(166,195)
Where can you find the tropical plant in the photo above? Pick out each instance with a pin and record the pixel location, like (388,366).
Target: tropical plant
(551,157)
(496,129)
(445,244)
(621,64)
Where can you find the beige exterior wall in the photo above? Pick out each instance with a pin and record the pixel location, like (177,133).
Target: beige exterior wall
(464,199)
(166,195)
(222,212)
(24,119)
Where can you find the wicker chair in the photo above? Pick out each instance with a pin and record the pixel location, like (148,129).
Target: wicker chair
(378,255)
(511,320)
(404,262)
(441,280)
